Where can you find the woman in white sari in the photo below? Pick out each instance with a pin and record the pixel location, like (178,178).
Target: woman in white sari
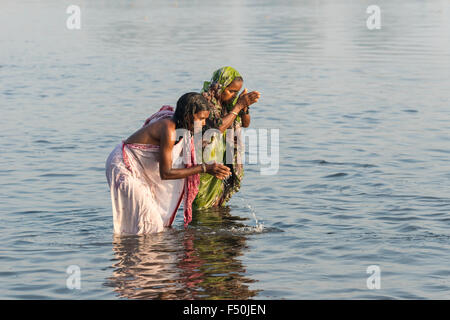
(150,173)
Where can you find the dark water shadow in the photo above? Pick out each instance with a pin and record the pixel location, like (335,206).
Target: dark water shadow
(200,262)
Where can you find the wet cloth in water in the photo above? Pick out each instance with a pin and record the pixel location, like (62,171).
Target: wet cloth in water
(143,203)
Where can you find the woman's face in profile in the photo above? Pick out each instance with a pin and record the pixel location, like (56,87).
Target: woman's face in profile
(231,91)
(200,119)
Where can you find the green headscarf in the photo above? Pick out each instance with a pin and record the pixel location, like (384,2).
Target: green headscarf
(221,79)
(224,77)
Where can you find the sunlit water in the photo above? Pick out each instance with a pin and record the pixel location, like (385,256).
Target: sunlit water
(364,174)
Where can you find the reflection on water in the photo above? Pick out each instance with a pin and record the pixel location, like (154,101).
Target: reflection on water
(201,262)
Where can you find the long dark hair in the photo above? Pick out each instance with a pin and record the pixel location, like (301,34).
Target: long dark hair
(189,104)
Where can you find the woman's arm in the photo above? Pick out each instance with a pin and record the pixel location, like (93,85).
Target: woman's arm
(166,171)
(228,120)
(245,118)
(244,101)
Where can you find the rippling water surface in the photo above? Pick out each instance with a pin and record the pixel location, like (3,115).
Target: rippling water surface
(363,118)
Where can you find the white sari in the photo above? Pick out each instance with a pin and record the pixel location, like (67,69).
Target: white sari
(141,202)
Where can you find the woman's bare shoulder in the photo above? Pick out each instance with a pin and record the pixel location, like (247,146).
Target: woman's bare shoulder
(161,127)
(167,124)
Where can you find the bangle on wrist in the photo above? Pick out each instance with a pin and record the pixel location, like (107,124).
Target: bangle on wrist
(242,112)
(204,168)
(235,113)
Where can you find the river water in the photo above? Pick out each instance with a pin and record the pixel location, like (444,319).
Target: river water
(363,118)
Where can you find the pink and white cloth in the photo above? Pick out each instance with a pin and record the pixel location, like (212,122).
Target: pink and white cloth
(142,203)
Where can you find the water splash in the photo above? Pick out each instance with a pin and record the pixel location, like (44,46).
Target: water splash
(253,213)
(259,226)
(249,229)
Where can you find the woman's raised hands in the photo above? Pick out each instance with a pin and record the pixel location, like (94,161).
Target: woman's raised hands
(246,99)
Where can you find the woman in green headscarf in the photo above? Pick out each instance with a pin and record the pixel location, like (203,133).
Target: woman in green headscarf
(227,110)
